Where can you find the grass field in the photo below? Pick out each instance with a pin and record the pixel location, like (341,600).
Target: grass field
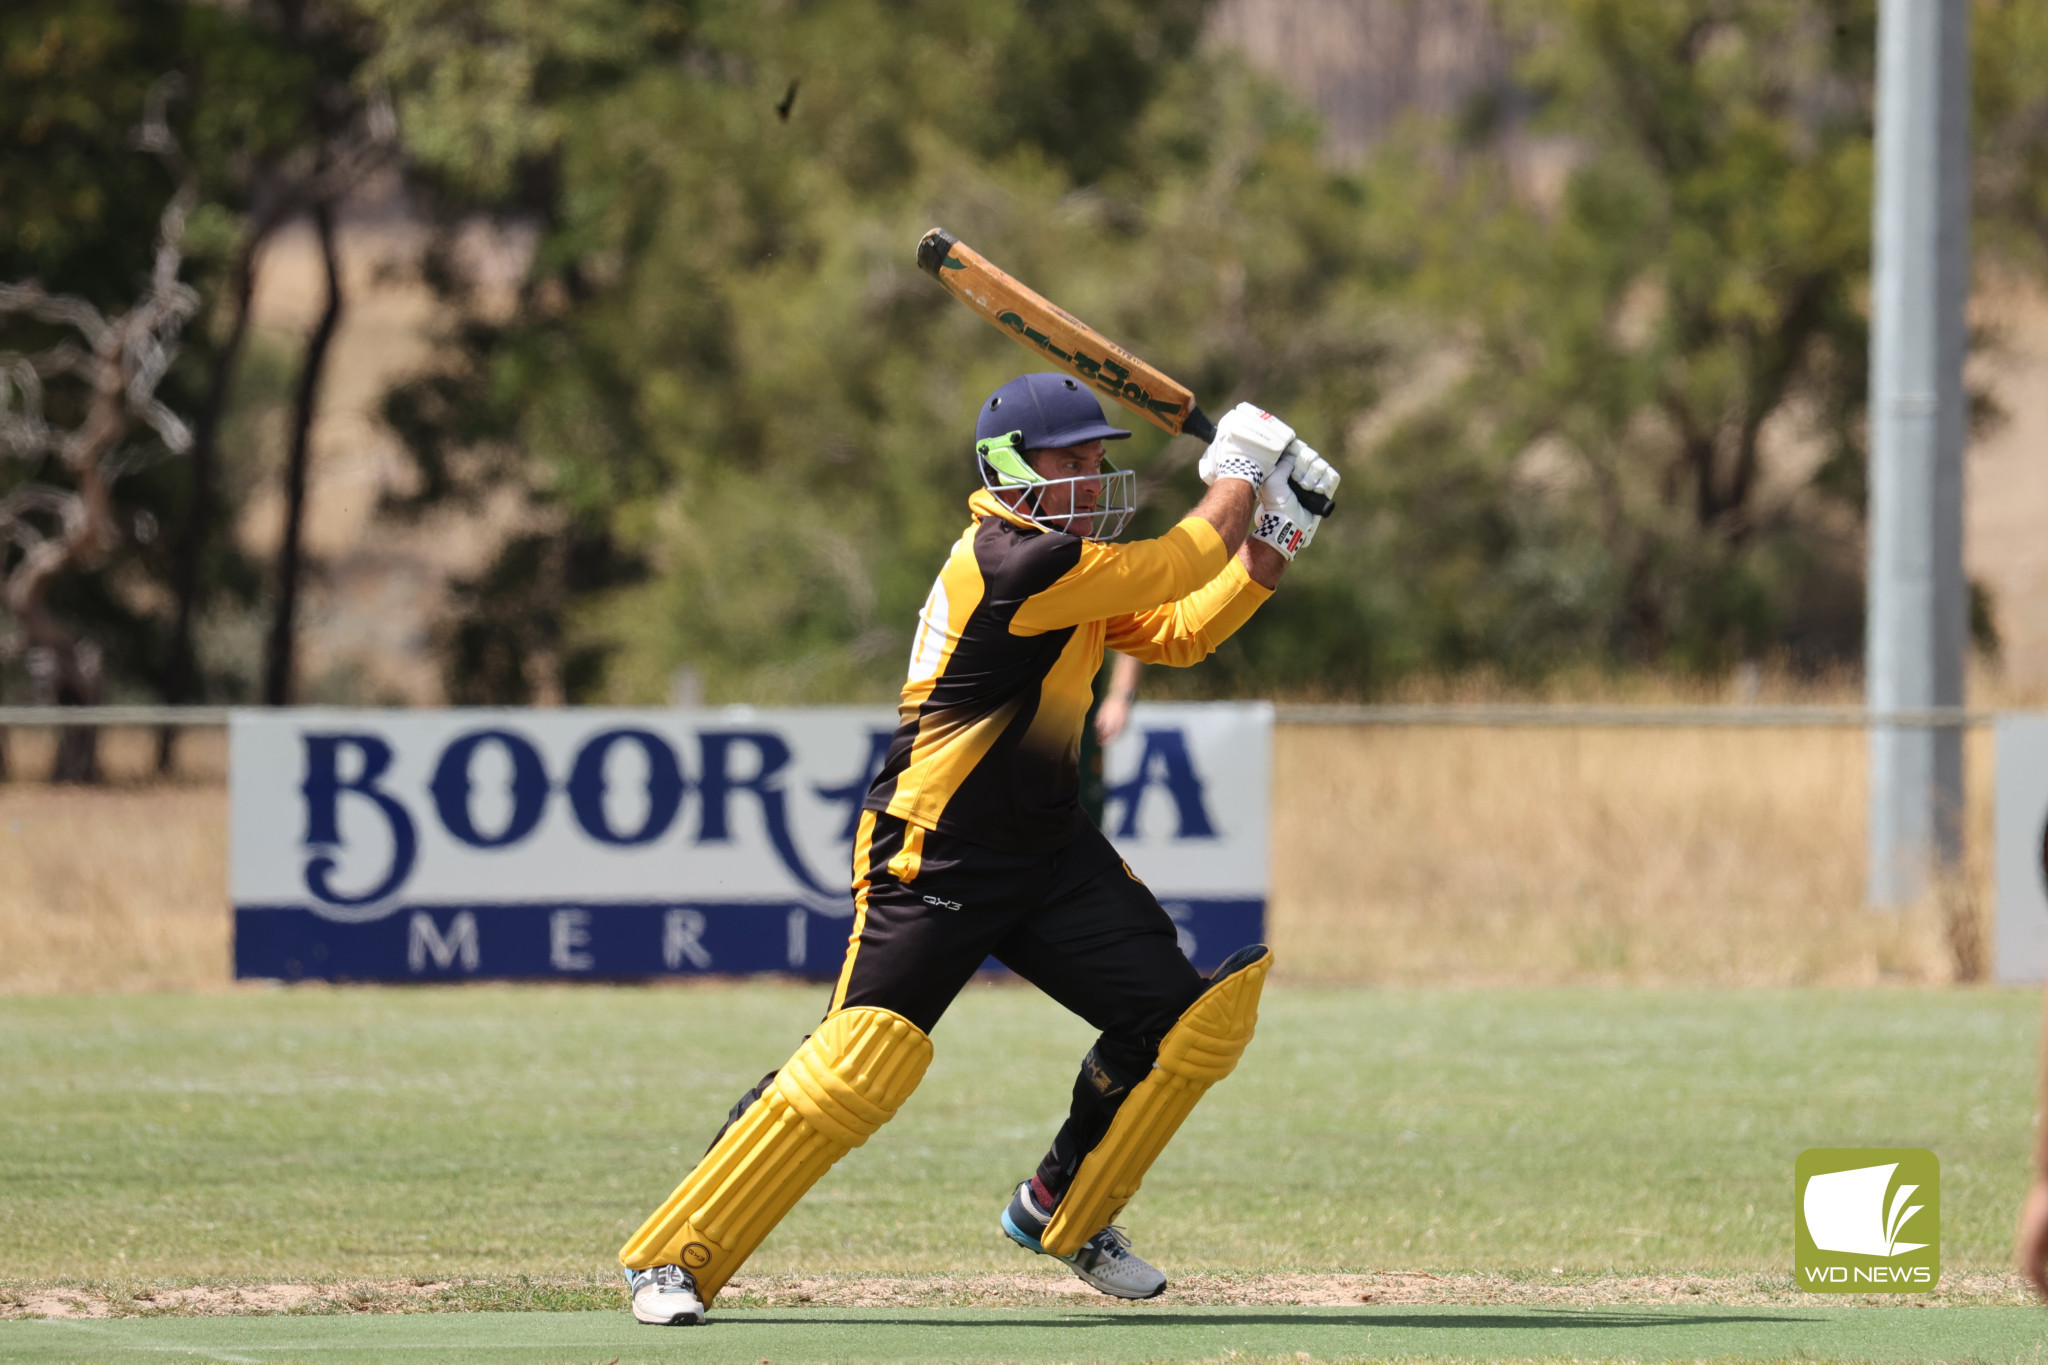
(1286,1336)
(489,1147)
(500,1132)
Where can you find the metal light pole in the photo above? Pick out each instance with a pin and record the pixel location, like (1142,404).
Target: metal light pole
(1918,605)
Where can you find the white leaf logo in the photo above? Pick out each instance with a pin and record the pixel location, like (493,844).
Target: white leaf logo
(1845,1211)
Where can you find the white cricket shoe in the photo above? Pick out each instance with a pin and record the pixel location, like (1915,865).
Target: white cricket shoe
(1104,1261)
(665,1296)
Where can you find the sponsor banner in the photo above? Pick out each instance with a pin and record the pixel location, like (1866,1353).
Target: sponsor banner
(388,845)
(2022,848)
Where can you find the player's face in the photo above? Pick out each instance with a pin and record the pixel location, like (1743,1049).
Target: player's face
(1074,501)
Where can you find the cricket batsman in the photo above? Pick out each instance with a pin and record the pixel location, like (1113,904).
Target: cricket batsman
(971,843)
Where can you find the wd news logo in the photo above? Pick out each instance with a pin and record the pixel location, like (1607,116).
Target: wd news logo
(1867,1220)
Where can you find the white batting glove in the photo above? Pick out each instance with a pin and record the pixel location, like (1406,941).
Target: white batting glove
(1248,444)
(1282,522)
(1306,470)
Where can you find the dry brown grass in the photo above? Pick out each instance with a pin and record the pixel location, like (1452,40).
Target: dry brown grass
(113,889)
(1411,856)
(127,755)
(1542,856)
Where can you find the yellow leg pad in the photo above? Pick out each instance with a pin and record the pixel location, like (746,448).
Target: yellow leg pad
(847,1080)
(1198,1051)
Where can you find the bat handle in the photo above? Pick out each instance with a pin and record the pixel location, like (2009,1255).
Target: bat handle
(933,249)
(1315,504)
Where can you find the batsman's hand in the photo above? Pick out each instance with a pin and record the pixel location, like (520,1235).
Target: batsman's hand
(1282,521)
(1248,444)
(1311,478)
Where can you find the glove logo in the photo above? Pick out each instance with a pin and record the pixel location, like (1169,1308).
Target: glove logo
(1282,534)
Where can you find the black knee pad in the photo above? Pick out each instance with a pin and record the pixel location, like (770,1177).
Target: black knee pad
(1111,1068)
(746,1103)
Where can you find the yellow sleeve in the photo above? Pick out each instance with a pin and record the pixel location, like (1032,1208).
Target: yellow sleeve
(1116,580)
(1188,631)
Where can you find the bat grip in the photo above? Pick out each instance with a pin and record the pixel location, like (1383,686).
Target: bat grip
(1315,504)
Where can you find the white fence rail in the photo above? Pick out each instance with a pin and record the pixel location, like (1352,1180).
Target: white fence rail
(86,717)
(1472,715)
(1578,716)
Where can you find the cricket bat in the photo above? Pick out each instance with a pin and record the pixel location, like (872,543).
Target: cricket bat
(1052,333)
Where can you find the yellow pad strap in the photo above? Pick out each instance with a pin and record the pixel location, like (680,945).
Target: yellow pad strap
(847,1080)
(1198,1051)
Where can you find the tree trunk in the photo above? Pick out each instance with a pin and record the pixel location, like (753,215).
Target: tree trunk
(278,671)
(78,756)
(66,670)
(77,681)
(178,672)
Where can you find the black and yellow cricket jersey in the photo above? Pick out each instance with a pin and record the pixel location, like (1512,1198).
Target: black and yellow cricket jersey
(1007,648)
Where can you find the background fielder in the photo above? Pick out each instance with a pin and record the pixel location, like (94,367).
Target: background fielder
(971,843)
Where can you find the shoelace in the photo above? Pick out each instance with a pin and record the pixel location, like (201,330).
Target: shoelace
(674,1277)
(1114,1240)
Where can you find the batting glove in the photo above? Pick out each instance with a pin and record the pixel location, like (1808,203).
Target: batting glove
(1282,522)
(1248,444)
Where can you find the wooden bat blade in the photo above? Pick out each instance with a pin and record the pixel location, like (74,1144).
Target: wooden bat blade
(1055,335)
(1050,332)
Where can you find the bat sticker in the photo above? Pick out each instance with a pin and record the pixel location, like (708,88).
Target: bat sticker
(1107,375)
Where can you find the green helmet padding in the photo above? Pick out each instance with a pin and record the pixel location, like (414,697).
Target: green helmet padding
(1005,455)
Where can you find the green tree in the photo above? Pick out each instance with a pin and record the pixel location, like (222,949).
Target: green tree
(2009,83)
(1653,451)
(80,206)
(67,410)
(1596,486)
(738,417)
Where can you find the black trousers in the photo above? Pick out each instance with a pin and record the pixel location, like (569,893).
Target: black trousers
(1074,922)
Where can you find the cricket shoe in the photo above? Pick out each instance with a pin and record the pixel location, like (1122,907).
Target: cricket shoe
(1105,1260)
(665,1296)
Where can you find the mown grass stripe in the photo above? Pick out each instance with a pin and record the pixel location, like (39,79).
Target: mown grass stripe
(1029,1337)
